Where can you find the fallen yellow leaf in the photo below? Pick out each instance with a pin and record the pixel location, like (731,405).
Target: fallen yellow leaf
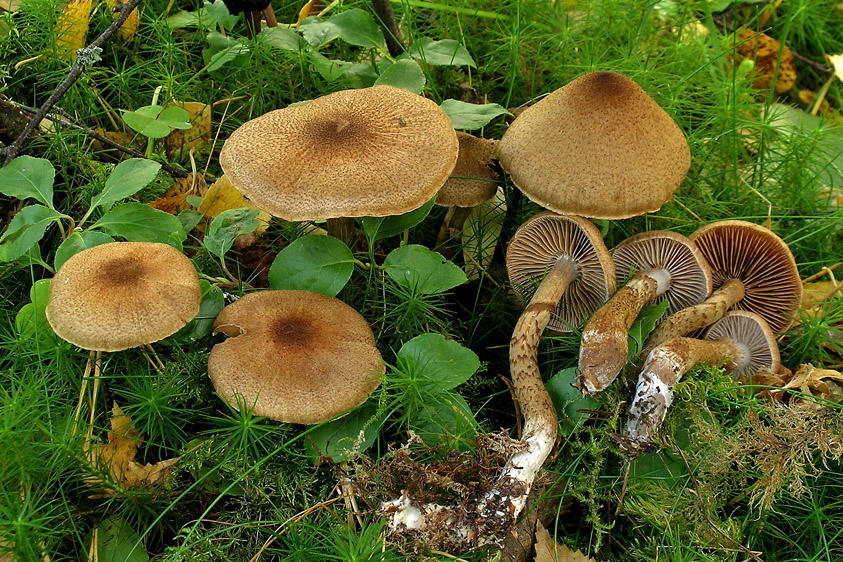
(174,200)
(772,60)
(222,196)
(481,233)
(128,28)
(837,62)
(824,383)
(179,142)
(72,28)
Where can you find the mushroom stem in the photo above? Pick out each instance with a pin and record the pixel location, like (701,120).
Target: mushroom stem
(604,347)
(343,228)
(447,240)
(698,316)
(665,365)
(269,14)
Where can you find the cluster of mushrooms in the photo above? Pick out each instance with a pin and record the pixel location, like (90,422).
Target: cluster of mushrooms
(599,147)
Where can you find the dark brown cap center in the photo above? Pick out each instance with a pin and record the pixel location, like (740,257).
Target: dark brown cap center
(121,271)
(292,332)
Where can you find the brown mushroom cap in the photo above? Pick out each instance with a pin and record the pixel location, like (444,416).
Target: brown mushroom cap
(123,294)
(296,356)
(540,242)
(690,276)
(472,180)
(598,147)
(754,337)
(761,261)
(370,152)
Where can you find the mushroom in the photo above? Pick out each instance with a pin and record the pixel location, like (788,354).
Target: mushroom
(253,9)
(668,266)
(121,295)
(752,269)
(294,356)
(598,147)
(742,339)
(472,182)
(369,152)
(569,254)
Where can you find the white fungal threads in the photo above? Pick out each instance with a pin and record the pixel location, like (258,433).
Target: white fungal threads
(662,278)
(649,406)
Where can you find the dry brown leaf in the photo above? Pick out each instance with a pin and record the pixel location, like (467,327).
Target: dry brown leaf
(174,200)
(764,50)
(815,292)
(179,142)
(72,28)
(129,140)
(117,457)
(309,9)
(128,28)
(547,550)
(223,196)
(9,5)
(824,383)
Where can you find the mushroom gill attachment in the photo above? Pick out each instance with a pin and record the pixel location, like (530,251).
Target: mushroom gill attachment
(742,340)
(752,269)
(599,147)
(368,152)
(122,295)
(666,265)
(294,356)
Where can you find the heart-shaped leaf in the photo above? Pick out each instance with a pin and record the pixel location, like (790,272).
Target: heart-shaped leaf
(322,264)
(422,271)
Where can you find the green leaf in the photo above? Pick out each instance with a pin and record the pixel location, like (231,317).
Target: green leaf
(404,74)
(137,222)
(211,305)
(175,117)
(282,38)
(340,438)
(329,69)
(117,541)
(129,177)
(26,229)
(567,399)
(447,52)
(644,324)
(227,226)
(189,219)
(322,264)
(31,321)
(208,17)
(434,364)
(449,415)
(143,120)
(28,177)
(377,228)
(422,271)
(354,26)
(470,116)
(360,75)
(78,241)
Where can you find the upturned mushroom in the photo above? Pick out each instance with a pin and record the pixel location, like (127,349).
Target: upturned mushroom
(752,269)
(569,262)
(294,356)
(666,265)
(599,147)
(741,340)
(369,152)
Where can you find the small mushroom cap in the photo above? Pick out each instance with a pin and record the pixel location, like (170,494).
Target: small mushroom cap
(123,294)
(761,260)
(598,147)
(754,335)
(690,276)
(547,237)
(473,180)
(296,356)
(370,152)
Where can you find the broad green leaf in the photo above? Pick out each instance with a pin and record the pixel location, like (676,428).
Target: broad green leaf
(567,399)
(31,320)
(445,52)
(644,324)
(354,26)
(227,226)
(360,75)
(117,541)
(321,264)
(404,74)
(175,117)
(282,38)
(137,222)
(434,364)
(377,228)
(222,50)
(447,416)
(329,69)
(211,305)
(189,219)
(28,177)
(155,122)
(481,232)
(422,271)
(26,229)
(470,116)
(129,177)
(211,14)
(340,438)
(78,241)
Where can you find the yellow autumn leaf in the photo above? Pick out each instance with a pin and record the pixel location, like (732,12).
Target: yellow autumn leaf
(174,200)
(222,196)
(179,142)
(128,28)
(837,62)
(72,28)
(772,60)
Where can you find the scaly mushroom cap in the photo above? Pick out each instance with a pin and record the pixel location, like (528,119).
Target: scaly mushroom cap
(754,337)
(540,242)
(472,180)
(761,261)
(598,147)
(690,276)
(123,294)
(370,152)
(295,356)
